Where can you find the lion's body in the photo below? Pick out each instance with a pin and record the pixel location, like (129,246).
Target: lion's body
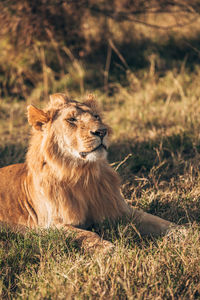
(33,201)
(52,188)
(66,179)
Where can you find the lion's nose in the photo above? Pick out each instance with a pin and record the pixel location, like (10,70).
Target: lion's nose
(100,132)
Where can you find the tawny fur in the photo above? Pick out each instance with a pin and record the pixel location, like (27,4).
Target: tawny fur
(64,180)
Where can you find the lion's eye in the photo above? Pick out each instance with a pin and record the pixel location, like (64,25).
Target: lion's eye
(71,120)
(97,117)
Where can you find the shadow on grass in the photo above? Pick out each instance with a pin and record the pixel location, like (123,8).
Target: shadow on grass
(22,254)
(166,168)
(12,153)
(17,254)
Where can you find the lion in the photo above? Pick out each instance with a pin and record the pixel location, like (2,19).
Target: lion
(66,181)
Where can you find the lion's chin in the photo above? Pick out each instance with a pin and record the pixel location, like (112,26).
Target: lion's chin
(97,154)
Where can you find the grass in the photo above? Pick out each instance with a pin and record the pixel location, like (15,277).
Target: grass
(47,267)
(161,176)
(154,111)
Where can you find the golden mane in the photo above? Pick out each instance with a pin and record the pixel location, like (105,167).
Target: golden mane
(79,192)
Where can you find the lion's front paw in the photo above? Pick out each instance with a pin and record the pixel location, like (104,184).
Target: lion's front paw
(92,243)
(104,247)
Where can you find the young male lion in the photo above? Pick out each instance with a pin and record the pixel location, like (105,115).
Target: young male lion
(66,181)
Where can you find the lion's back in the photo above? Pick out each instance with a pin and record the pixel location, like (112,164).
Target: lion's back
(12,196)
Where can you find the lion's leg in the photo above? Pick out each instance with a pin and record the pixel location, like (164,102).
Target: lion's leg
(89,241)
(148,224)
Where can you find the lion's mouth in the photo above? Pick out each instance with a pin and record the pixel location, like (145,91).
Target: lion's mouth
(84,154)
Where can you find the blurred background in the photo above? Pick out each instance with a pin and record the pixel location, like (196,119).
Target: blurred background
(48,46)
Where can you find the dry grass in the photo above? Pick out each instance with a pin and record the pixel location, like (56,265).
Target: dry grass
(153,107)
(158,123)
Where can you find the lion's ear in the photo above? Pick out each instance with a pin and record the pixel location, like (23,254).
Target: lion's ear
(91,102)
(58,99)
(37,117)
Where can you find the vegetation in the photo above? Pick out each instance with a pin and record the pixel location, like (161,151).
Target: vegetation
(147,81)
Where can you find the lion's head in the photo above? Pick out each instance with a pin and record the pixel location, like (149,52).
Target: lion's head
(75,129)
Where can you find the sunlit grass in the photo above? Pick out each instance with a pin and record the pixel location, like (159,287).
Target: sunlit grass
(158,123)
(153,108)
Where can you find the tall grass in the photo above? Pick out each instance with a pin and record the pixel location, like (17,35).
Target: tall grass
(147,83)
(158,123)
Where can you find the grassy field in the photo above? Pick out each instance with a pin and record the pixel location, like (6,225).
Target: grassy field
(158,124)
(154,111)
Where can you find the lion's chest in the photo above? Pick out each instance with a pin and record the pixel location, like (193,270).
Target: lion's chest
(78,205)
(86,202)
